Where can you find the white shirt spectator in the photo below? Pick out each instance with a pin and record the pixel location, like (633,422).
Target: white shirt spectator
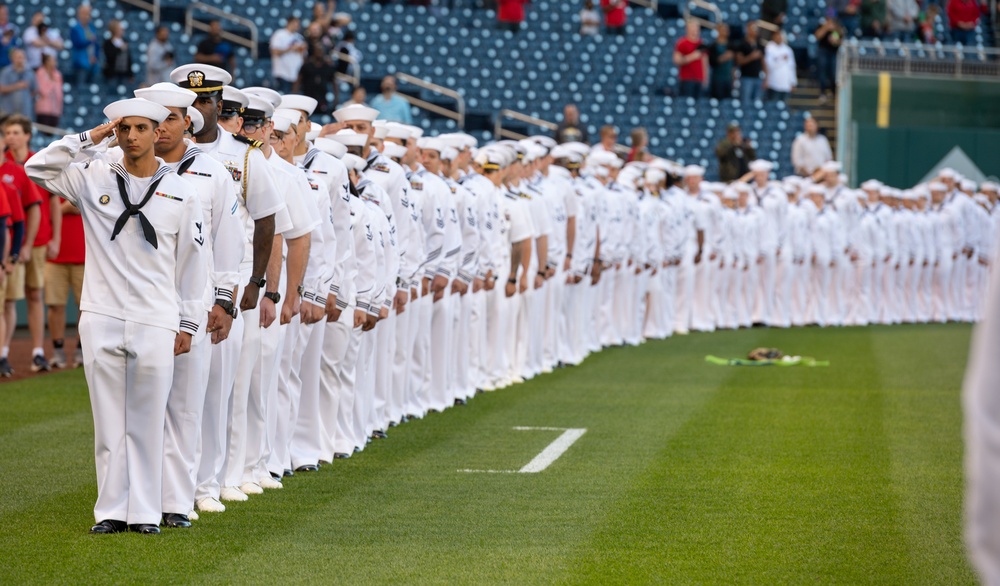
(780,63)
(590,22)
(809,152)
(286,66)
(35,46)
(159,61)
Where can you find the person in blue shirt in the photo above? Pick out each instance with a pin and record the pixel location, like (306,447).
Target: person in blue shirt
(86,47)
(390,105)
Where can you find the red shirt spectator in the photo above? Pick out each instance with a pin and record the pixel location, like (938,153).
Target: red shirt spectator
(511,11)
(963,14)
(72,250)
(25,193)
(695,70)
(40,195)
(13,204)
(614,13)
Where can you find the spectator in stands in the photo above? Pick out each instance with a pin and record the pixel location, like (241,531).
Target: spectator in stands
(735,153)
(963,16)
(810,149)
(390,105)
(358,96)
(18,86)
(750,60)
(639,140)
(347,59)
(9,37)
(691,58)
(614,16)
(780,62)
(40,39)
(848,12)
(590,19)
(609,137)
(720,58)
(86,47)
(159,57)
(117,56)
(873,18)
(571,129)
(926,22)
(829,36)
(214,50)
(317,72)
(510,14)
(5,24)
(902,15)
(49,105)
(288,49)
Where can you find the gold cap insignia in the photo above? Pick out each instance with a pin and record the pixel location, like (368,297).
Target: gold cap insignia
(196,79)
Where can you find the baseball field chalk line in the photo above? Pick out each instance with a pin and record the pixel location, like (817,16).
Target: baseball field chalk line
(547,456)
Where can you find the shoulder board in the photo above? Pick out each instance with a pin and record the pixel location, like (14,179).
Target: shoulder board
(254,144)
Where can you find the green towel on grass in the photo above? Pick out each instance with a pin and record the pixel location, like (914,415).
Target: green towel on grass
(786,361)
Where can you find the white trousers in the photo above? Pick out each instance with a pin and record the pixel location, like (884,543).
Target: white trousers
(702,319)
(385,351)
(685,297)
(306,447)
(346,371)
(129,368)
(336,340)
(442,329)
(214,445)
(182,432)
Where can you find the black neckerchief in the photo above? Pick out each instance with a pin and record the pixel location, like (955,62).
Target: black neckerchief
(310,158)
(187,160)
(132,209)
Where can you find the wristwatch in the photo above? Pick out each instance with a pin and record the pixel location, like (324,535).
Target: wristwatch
(512,281)
(227,306)
(301,290)
(273,296)
(259,281)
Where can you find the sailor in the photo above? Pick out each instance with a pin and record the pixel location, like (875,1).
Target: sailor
(224,240)
(143,293)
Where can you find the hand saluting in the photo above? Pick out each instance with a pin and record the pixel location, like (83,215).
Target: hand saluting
(99,133)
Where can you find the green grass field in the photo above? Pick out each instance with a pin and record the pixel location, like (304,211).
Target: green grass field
(688,473)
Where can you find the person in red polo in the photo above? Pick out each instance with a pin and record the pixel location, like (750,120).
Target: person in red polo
(510,14)
(614,16)
(26,273)
(691,58)
(17,136)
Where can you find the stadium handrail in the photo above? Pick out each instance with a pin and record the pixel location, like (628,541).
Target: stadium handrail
(650,4)
(500,132)
(190,24)
(704,5)
(458,114)
(354,75)
(950,61)
(153,7)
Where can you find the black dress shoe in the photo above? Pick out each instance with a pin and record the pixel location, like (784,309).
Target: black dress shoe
(379,434)
(176,520)
(341,456)
(459,402)
(307,468)
(108,526)
(288,472)
(145,529)
(323,463)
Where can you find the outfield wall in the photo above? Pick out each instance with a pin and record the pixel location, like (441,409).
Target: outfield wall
(900,127)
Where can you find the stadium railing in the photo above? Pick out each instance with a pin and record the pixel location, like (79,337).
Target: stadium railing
(190,23)
(457,114)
